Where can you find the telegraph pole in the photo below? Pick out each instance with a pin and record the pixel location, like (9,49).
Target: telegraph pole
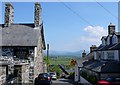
(47,56)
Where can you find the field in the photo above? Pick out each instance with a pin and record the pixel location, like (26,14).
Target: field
(54,60)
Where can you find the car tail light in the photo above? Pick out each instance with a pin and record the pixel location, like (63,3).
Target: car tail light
(48,78)
(103,82)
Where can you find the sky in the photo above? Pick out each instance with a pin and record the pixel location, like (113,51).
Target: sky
(69,26)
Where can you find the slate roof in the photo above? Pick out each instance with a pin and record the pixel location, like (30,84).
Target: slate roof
(102,66)
(105,37)
(117,33)
(99,47)
(20,35)
(86,63)
(111,46)
(108,47)
(111,67)
(115,47)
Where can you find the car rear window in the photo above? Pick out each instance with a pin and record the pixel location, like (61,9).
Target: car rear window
(52,73)
(43,75)
(117,79)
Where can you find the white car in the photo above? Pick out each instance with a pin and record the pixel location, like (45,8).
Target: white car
(53,75)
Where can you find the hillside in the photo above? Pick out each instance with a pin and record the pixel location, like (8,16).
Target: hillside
(62,53)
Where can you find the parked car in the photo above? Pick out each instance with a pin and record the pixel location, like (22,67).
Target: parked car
(53,75)
(110,81)
(43,79)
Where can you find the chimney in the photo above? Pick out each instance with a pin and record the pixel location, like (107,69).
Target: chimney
(37,14)
(111,29)
(92,48)
(84,54)
(9,14)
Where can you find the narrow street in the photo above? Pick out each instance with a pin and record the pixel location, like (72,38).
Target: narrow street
(63,82)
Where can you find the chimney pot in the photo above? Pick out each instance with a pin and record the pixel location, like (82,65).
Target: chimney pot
(9,14)
(111,29)
(37,14)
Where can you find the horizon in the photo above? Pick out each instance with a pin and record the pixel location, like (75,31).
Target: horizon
(69,26)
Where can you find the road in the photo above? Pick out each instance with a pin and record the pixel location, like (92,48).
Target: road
(63,82)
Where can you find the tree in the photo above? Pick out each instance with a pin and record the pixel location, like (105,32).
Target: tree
(72,63)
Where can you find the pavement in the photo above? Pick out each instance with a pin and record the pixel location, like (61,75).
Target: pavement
(84,81)
(63,81)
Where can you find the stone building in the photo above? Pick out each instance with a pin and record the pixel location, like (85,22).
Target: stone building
(102,61)
(106,60)
(24,44)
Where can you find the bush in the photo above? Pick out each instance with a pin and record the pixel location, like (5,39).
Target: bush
(71,76)
(90,78)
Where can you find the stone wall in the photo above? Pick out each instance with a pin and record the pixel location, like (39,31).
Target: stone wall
(9,14)
(38,56)
(25,73)
(2,74)
(38,59)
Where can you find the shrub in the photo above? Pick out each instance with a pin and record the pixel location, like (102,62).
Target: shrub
(71,76)
(90,78)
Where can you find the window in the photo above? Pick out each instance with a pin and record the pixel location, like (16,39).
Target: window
(114,39)
(103,42)
(110,56)
(108,40)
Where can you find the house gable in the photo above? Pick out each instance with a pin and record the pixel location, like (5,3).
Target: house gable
(108,40)
(118,36)
(114,39)
(103,39)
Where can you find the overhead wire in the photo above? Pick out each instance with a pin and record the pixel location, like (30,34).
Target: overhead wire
(106,9)
(77,14)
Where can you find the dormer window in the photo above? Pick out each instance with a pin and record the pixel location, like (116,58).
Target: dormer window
(114,39)
(103,42)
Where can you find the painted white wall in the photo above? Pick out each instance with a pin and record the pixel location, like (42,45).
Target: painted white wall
(114,39)
(105,55)
(103,41)
(76,73)
(108,40)
(110,55)
(116,55)
(35,52)
(102,55)
(95,55)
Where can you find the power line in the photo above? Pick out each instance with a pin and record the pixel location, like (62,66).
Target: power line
(106,9)
(65,5)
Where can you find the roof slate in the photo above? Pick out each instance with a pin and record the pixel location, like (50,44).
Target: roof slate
(19,35)
(117,33)
(108,47)
(103,67)
(111,67)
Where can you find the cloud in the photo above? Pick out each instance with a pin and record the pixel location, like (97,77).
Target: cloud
(96,31)
(92,36)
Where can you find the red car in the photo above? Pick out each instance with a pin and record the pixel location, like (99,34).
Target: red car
(110,81)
